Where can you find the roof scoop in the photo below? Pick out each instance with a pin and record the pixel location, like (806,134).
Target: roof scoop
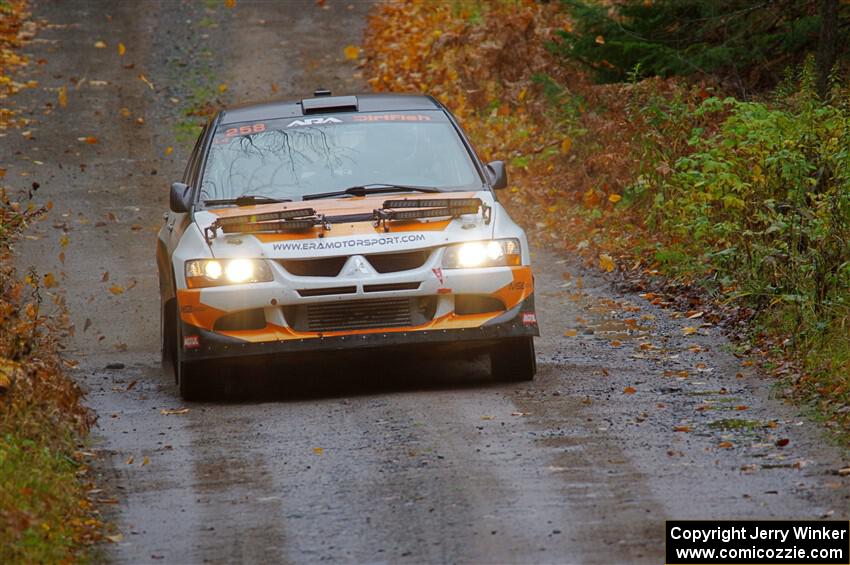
(321,92)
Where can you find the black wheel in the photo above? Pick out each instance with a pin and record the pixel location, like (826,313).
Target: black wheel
(513,360)
(189,380)
(190,377)
(168,337)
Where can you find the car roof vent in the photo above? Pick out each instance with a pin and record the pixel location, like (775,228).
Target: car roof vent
(321,92)
(329,104)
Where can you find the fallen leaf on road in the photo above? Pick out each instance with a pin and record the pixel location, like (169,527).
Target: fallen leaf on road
(105,276)
(606,263)
(230,3)
(222,88)
(50,280)
(132,384)
(63,96)
(486,417)
(169,150)
(629,390)
(519,413)
(91,140)
(692,315)
(100,45)
(87,324)
(844,472)
(174,411)
(121,49)
(145,80)
(318,450)
(351,52)
(570,333)
(125,112)
(64,241)
(681,429)
(689,330)
(146,461)
(130,460)
(115,538)
(725,444)
(615,343)
(741,408)
(782,442)
(116,289)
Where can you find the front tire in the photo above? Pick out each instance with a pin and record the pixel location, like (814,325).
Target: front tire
(514,360)
(189,376)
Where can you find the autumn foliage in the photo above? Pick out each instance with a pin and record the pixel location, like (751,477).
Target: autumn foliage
(44,513)
(742,201)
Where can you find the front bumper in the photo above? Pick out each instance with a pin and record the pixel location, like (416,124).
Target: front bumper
(520,321)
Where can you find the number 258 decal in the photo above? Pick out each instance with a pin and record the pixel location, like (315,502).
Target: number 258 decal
(245,130)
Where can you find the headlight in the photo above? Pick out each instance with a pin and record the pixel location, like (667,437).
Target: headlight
(216,272)
(493,253)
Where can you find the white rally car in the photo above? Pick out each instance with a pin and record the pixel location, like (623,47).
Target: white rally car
(335,223)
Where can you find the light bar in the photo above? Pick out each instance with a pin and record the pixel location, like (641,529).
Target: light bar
(281,215)
(434,203)
(287,225)
(427,213)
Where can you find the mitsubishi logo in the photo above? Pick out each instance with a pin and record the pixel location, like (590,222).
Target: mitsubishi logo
(360,266)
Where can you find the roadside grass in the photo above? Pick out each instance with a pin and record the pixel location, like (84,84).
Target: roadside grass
(672,183)
(45,515)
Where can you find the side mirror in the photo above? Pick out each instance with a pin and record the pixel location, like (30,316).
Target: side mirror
(497,174)
(179,198)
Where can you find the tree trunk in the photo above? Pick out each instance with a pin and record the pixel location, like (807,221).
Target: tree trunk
(827,44)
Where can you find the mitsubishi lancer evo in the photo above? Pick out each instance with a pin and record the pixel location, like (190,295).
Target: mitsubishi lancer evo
(338,223)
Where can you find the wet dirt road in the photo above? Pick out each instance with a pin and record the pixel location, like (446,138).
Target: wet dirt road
(374,459)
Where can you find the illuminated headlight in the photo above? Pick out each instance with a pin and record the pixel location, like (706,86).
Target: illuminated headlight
(217,272)
(493,253)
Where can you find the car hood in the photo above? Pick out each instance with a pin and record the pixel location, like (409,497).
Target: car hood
(360,237)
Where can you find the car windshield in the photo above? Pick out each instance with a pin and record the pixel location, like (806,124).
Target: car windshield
(293,157)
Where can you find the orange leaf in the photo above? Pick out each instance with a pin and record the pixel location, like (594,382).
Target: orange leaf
(614,198)
(725,444)
(121,49)
(116,289)
(629,390)
(63,96)
(606,263)
(351,52)
(684,429)
(570,333)
(50,280)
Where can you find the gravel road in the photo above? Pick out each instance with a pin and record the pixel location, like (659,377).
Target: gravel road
(366,459)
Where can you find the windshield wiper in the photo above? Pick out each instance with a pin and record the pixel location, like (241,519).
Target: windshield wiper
(376,188)
(246,200)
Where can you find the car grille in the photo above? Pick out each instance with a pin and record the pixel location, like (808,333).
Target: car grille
(361,314)
(358,315)
(395,262)
(381,262)
(329,267)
